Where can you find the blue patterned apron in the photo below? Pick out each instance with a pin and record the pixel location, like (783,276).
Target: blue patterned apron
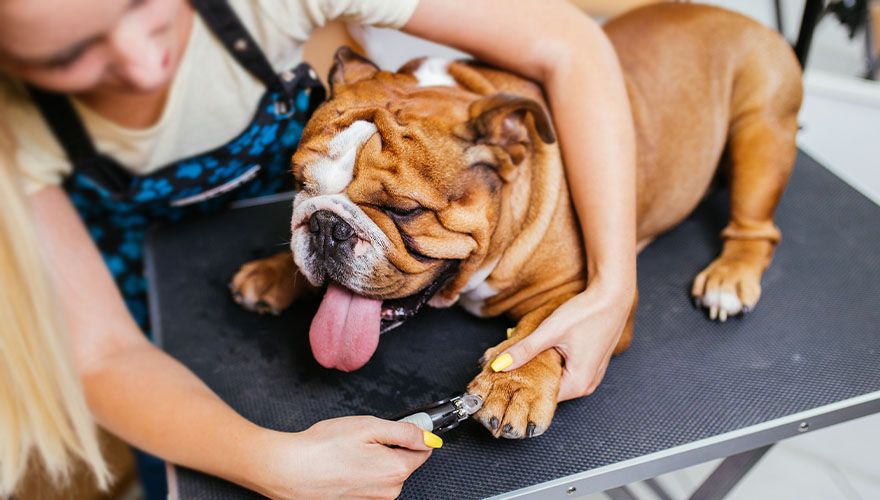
(118,207)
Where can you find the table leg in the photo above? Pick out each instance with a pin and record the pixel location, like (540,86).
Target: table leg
(657,489)
(780,17)
(813,11)
(872,41)
(621,493)
(728,474)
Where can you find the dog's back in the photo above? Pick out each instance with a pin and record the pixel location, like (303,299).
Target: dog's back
(691,72)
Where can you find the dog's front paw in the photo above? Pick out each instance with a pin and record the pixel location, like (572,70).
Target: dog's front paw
(266,285)
(519,403)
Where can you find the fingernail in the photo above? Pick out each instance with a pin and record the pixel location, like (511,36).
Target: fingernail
(509,332)
(432,440)
(502,362)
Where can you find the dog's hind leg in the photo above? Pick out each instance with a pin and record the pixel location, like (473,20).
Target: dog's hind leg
(762,151)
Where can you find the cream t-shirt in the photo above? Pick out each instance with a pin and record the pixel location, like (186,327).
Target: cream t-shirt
(212,98)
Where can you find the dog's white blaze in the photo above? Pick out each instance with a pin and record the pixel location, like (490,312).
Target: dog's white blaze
(432,72)
(332,174)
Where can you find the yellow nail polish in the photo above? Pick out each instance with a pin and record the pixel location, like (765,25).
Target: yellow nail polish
(432,440)
(510,332)
(502,362)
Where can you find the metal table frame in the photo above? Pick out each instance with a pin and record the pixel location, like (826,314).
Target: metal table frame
(741,450)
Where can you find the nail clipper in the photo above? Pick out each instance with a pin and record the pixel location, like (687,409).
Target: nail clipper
(444,415)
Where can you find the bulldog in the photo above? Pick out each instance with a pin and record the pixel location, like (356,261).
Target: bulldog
(443,183)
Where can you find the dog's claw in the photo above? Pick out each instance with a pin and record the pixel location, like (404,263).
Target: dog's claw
(530,429)
(508,431)
(722,315)
(713,313)
(493,423)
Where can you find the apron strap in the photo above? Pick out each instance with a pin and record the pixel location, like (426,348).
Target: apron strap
(67,127)
(225,24)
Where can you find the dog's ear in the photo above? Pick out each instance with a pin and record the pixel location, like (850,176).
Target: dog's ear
(349,67)
(505,120)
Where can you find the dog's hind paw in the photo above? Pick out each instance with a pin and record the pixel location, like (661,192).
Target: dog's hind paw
(728,287)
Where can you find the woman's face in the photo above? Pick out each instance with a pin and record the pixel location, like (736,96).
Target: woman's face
(77,46)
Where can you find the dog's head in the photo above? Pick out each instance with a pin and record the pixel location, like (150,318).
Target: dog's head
(400,180)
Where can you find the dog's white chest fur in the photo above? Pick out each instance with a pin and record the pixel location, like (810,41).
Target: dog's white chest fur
(477,290)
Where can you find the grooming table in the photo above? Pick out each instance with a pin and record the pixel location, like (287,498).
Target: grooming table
(687,391)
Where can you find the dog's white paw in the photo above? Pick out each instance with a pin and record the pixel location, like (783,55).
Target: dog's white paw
(728,287)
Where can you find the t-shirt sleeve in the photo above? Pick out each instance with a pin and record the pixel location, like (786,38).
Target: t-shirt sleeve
(300,17)
(35,153)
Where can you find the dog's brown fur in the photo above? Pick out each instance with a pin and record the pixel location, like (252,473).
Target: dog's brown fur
(707,87)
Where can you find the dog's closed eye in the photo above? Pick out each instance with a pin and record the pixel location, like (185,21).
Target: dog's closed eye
(403,212)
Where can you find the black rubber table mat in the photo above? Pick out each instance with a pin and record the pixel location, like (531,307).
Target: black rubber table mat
(814,339)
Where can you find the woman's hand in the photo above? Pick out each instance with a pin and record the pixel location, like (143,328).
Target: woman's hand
(585,330)
(346,457)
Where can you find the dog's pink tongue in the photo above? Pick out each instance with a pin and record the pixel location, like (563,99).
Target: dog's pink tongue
(345,331)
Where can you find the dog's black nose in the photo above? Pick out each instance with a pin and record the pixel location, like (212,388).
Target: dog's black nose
(325,224)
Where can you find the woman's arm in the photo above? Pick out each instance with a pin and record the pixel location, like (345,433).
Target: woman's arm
(556,45)
(150,400)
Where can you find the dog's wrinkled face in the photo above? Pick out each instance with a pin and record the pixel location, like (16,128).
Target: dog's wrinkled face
(398,185)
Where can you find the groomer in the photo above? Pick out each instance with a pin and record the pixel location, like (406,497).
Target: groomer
(130,112)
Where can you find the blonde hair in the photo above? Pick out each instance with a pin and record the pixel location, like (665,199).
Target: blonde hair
(44,419)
